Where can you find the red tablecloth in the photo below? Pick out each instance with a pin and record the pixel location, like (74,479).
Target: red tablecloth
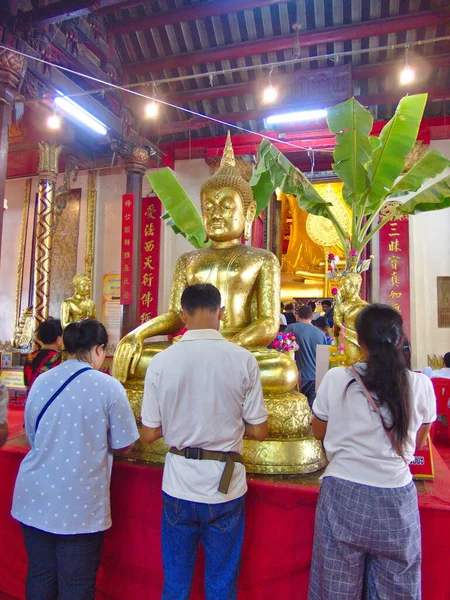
(277,547)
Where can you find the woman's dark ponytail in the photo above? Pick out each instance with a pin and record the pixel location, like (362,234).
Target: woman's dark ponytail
(80,338)
(380,329)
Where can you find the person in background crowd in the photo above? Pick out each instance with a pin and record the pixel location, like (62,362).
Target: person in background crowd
(313,307)
(328,309)
(371,419)
(4,398)
(283,321)
(49,333)
(308,338)
(75,416)
(203,394)
(322,324)
(289,314)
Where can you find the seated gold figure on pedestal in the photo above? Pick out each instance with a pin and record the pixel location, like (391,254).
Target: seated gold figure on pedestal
(79,306)
(348,305)
(249,282)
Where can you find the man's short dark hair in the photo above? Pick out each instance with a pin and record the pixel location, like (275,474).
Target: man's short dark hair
(49,331)
(312,305)
(289,307)
(321,322)
(327,303)
(200,295)
(305,312)
(447,359)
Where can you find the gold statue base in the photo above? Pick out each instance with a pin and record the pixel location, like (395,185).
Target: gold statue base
(289,450)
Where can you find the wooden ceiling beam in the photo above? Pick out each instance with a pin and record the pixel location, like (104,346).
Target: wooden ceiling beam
(188,13)
(64,10)
(240,89)
(366,29)
(261,113)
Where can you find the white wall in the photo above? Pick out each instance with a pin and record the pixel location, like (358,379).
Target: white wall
(430,258)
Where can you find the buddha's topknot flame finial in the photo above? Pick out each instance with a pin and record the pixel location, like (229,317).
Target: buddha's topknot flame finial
(228,160)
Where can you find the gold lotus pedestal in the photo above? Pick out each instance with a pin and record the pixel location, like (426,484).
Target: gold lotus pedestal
(289,449)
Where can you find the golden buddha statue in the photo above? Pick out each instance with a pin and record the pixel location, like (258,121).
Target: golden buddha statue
(249,282)
(79,306)
(24,331)
(347,306)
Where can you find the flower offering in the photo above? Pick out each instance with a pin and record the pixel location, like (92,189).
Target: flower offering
(285,342)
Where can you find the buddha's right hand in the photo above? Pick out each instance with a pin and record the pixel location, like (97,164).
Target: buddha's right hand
(127,356)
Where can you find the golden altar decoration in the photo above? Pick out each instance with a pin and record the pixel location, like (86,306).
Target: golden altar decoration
(249,282)
(310,239)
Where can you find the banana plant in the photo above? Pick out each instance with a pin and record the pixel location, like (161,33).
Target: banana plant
(370,168)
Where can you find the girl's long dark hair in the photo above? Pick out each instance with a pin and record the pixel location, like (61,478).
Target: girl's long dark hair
(380,329)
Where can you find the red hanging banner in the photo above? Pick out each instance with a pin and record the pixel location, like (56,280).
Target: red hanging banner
(394,263)
(150,246)
(126,270)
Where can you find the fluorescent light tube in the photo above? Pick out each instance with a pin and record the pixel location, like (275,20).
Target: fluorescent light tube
(295,117)
(72,109)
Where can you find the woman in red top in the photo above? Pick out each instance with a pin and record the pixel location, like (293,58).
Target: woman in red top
(49,334)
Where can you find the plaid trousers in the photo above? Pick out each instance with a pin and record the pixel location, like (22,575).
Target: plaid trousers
(366,538)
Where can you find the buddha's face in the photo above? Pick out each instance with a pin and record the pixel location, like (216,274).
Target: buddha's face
(223,214)
(83,287)
(350,287)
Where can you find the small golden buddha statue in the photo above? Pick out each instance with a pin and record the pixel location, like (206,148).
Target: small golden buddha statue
(249,282)
(79,306)
(348,305)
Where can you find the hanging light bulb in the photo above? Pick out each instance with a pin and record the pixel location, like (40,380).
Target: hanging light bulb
(151,110)
(54,121)
(407,74)
(270,94)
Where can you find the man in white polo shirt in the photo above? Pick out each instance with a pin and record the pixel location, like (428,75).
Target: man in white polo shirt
(203,394)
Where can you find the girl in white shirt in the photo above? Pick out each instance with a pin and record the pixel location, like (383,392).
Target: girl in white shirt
(367,522)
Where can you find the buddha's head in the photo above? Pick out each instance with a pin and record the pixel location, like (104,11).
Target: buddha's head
(82,285)
(351,286)
(227,203)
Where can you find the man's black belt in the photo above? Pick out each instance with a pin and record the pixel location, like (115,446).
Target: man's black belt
(229,458)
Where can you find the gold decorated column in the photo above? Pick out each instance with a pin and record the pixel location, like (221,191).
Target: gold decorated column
(48,171)
(89,252)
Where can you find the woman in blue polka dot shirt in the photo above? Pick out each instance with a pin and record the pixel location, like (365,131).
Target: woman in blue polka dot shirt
(75,417)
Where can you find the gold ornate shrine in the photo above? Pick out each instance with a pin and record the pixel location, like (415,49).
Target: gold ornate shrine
(249,282)
(306,240)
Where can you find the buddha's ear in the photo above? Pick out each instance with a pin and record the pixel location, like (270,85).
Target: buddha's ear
(251,211)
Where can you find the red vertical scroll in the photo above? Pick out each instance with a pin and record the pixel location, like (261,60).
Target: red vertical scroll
(394,263)
(126,271)
(150,246)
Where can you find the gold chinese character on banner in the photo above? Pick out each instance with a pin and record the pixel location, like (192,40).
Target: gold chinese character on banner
(126,281)
(394,295)
(126,255)
(396,305)
(150,212)
(394,279)
(126,268)
(394,261)
(127,242)
(146,317)
(127,217)
(147,279)
(128,203)
(127,229)
(149,230)
(394,246)
(148,264)
(126,295)
(149,246)
(147,299)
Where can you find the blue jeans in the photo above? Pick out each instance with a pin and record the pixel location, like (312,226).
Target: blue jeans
(220,527)
(61,567)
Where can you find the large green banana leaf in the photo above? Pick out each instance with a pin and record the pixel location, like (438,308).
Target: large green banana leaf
(433,197)
(352,124)
(397,139)
(430,165)
(273,171)
(184,216)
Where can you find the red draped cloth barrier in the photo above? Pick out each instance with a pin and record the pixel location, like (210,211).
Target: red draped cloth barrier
(277,546)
